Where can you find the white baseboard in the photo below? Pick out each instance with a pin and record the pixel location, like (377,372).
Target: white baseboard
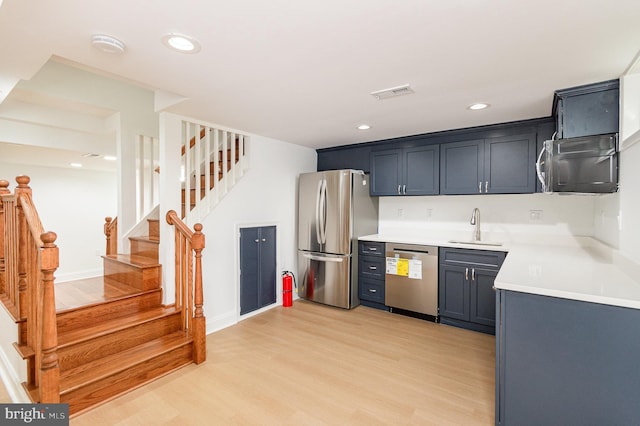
(221,321)
(80,275)
(11,382)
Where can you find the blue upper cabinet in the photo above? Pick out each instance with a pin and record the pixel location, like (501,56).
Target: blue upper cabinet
(406,171)
(587,110)
(386,172)
(462,168)
(500,165)
(509,164)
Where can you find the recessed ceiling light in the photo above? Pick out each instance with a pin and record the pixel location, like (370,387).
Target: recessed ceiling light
(364,127)
(77,165)
(478,106)
(110,158)
(181,43)
(107,44)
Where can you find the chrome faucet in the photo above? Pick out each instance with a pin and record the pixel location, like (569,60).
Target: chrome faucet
(475,220)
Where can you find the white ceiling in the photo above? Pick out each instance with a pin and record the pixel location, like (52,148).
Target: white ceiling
(302,71)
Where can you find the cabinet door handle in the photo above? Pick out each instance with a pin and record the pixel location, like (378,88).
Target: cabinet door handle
(373,268)
(257,240)
(373,249)
(486,186)
(473,274)
(399,193)
(404,189)
(466,274)
(372,290)
(480,187)
(264,239)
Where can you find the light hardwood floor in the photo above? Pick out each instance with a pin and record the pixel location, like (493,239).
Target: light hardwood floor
(314,365)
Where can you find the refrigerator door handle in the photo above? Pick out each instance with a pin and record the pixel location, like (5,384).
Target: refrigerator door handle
(318,204)
(323,258)
(323,212)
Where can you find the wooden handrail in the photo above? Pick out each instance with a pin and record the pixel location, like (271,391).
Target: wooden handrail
(188,282)
(31,258)
(111,232)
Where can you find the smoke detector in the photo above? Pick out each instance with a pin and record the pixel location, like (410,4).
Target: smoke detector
(107,43)
(392,92)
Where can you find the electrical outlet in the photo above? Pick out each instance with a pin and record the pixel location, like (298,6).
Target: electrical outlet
(400,212)
(429,213)
(535,215)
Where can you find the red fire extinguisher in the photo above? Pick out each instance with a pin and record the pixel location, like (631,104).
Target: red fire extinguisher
(287,288)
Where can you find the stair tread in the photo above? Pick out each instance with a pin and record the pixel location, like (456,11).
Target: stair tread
(133,260)
(71,295)
(107,366)
(113,325)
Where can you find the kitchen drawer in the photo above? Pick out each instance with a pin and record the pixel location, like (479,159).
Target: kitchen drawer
(371,267)
(371,248)
(371,290)
(470,257)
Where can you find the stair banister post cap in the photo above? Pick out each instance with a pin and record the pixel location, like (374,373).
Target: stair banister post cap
(48,238)
(49,257)
(23,181)
(4,186)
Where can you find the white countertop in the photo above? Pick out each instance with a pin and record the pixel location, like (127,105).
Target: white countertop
(578,268)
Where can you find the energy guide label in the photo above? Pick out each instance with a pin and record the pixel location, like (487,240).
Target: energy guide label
(411,268)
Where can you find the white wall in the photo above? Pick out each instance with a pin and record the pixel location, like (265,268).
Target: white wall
(503,217)
(266,195)
(13,369)
(72,203)
(630,202)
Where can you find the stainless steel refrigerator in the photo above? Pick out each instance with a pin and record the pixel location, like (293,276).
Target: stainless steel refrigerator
(334,209)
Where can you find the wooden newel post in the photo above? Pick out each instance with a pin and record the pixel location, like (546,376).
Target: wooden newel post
(199,322)
(107,233)
(49,369)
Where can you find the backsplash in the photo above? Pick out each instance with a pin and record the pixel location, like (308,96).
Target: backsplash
(508,217)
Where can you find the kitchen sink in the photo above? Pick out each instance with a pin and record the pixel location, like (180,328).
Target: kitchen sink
(475,243)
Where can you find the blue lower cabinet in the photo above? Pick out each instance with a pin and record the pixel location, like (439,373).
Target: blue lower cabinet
(565,362)
(371,269)
(466,297)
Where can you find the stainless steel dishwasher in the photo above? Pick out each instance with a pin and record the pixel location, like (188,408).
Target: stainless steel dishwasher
(411,279)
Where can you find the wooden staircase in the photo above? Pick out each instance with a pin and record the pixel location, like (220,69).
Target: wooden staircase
(111,334)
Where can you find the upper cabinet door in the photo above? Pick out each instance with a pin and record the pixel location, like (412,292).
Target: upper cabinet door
(462,167)
(386,172)
(509,164)
(421,172)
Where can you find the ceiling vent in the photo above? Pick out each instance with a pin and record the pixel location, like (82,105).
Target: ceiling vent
(392,92)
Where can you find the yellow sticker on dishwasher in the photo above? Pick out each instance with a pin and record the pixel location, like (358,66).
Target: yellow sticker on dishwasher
(403,267)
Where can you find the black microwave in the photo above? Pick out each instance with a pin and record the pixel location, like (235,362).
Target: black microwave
(587,164)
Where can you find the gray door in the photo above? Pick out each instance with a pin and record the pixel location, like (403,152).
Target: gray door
(257,268)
